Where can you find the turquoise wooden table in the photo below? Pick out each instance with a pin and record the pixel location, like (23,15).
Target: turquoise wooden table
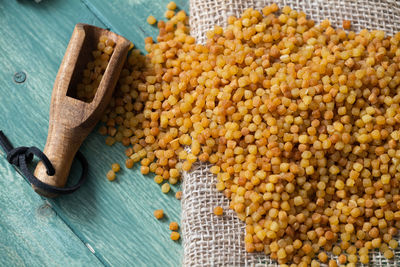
(103,223)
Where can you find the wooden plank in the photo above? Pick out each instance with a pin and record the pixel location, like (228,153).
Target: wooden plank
(31,233)
(116,219)
(33,40)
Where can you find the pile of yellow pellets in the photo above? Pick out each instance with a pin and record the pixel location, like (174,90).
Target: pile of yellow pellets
(301,123)
(93,73)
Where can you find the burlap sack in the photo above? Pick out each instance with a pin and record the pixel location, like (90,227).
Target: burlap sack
(210,240)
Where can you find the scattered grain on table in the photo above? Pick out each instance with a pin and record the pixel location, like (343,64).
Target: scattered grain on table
(175,236)
(159,214)
(173,226)
(151,20)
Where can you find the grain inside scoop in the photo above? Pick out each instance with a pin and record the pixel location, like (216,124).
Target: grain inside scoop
(72,119)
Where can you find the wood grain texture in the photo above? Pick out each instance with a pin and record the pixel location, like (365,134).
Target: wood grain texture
(33,40)
(114,218)
(31,233)
(71,120)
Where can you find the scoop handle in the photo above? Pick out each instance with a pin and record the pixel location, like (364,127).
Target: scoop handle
(61,147)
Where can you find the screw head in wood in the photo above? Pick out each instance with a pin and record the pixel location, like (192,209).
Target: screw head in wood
(19,77)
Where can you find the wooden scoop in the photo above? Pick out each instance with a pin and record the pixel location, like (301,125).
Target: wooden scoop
(71,120)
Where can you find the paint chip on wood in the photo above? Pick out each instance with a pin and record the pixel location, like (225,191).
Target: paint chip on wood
(90,248)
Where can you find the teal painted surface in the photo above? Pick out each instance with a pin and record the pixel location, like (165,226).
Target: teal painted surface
(115,219)
(31,233)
